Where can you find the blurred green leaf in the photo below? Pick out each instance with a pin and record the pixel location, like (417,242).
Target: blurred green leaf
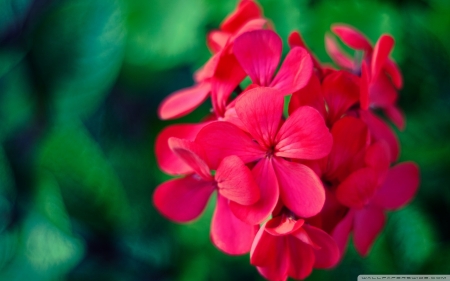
(412,238)
(77,51)
(16,99)
(12,12)
(90,187)
(164,34)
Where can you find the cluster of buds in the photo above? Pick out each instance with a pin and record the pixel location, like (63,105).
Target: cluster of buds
(294,180)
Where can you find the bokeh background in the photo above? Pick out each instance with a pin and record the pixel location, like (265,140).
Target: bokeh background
(80,82)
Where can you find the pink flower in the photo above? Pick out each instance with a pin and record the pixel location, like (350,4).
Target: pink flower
(221,73)
(270,144)
(183,199)
(286,246)
(371,190)
(261,62)
(380,76)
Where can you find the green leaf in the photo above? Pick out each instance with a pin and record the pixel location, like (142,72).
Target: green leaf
(77,51)
(12,12)
(91,189)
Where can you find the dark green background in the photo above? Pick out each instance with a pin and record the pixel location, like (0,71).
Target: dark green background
(80,82)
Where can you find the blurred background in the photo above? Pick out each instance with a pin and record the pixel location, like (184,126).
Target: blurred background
(80,82)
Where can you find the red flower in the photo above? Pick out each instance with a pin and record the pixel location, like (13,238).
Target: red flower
(271,143)
(371,190)
(183,199)
(260,63)
(285,246)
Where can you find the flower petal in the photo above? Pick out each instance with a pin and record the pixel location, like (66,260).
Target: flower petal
(228,233)
(300,188)
(350,136)
(304,135)
(167,160)
(216,40)
(400,186)
(367,225)
(235,181)
(282,225)
(227,76)
(260,110)
(301,258)
(296,40)
(341,91)
(328,255)
(352,37)
(396,116)
(192,155)
(182,199)
(377,157)
(358,189)
(310,95)
(267,249)
(222,139)
(259,53)
(295,71)
(341,58)
(342,230)
(265,177)
(382,92)
(364,98)
(183,101)
(381,131)
(394,72)
(246,10)
(380,54)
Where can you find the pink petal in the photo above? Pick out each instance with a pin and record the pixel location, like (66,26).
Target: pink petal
(295,71)
(222,139)
(400,186)
(310,95)
(364,99)
(303,236)
(192,155)
(394,72)
(377,157)
(382,92)
(295,40)
(265,177)
(259,62)
(228,233)
(260,110)
(357,189)
(183,101)
(381,131)
(350,136)
(168,161)
(352,37)
(235,181)
(208,69)
(300,188)
(367,225)
(267,249)
(328,255)
(341,91)
(304,135)
(380,55)
(396,116)
(342,230)
(216,40)
(251,25)
(283,225)
(301,258)
(227,76)
(275,272)
(182,199)
(246,11)
(341,58)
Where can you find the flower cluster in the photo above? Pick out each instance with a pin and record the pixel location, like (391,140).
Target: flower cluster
(292,182)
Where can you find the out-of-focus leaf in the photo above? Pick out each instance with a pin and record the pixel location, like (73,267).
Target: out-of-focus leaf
(77,52)
(16,98)
(412,238)
(196,268)
(163,34)
(9,57)
(371,17)
(90,187)
(12,12)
